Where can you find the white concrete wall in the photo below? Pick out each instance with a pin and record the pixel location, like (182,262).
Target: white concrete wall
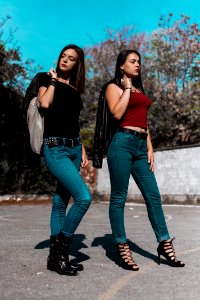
(177,173)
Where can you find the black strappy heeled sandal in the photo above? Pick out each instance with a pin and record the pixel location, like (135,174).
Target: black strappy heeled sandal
(166,249)
(125,257)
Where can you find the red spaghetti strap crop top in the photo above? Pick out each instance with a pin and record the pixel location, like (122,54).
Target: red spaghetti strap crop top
(136,112)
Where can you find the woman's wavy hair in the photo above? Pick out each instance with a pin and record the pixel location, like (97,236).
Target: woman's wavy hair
(137,81)
(77,76)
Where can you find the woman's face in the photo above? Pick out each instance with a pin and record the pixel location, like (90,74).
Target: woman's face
(68,60)
(131,67)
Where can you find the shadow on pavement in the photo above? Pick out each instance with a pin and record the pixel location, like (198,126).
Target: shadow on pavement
(109,245)
(77,244)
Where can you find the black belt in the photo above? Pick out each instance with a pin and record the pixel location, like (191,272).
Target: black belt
(53,142)
(141,135)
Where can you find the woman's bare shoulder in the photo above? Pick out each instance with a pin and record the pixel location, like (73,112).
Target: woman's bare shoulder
(113,89)
(113,86)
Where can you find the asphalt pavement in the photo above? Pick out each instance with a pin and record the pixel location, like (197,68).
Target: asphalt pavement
(24,234)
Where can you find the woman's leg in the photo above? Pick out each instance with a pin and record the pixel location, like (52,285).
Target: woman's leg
(60,202)
(59,205)
(119,164)
(146,182)
(59,161)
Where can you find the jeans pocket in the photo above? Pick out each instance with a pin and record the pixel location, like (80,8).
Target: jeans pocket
(53,154)
(143,147)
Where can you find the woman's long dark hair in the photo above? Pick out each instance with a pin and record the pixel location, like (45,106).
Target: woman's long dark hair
(136,81)
(77,76)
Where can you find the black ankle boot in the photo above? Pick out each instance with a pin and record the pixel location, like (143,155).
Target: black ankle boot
(56,262)
(58,259)
(77,267)
(53,253)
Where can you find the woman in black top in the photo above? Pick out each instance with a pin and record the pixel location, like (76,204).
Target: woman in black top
(59,96)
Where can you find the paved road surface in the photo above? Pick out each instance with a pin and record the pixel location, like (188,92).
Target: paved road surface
(24,234)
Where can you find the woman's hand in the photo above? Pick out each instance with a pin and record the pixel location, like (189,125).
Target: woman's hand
(53,73)
(150,151)
(84,161)
(126,82)
(151,158)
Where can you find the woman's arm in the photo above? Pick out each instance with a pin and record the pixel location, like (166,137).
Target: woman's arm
(118,99)
(150,151)
(46,94)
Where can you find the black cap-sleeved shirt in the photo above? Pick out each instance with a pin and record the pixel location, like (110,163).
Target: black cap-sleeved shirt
(61,119)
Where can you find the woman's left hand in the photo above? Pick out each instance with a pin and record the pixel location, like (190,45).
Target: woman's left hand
(151,158)
(84,161)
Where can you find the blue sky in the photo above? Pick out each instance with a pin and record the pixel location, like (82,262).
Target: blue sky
(44,27)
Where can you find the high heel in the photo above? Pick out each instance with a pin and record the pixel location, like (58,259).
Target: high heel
(125,257)
(166,249)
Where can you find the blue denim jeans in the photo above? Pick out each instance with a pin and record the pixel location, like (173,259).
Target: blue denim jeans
(64,164)
(127,155)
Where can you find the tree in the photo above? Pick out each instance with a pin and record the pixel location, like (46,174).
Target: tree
(19,168)
(170,69)
(171,79)
(14,71)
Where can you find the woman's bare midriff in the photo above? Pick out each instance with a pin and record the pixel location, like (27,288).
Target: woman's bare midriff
(139,129)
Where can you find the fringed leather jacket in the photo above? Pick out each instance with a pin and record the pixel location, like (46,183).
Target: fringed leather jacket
(106,127)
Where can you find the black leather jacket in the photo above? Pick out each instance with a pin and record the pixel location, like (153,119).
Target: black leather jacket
(106,127)
(31,92)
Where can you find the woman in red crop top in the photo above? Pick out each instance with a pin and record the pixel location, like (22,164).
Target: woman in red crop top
(131,153)
(59,97)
